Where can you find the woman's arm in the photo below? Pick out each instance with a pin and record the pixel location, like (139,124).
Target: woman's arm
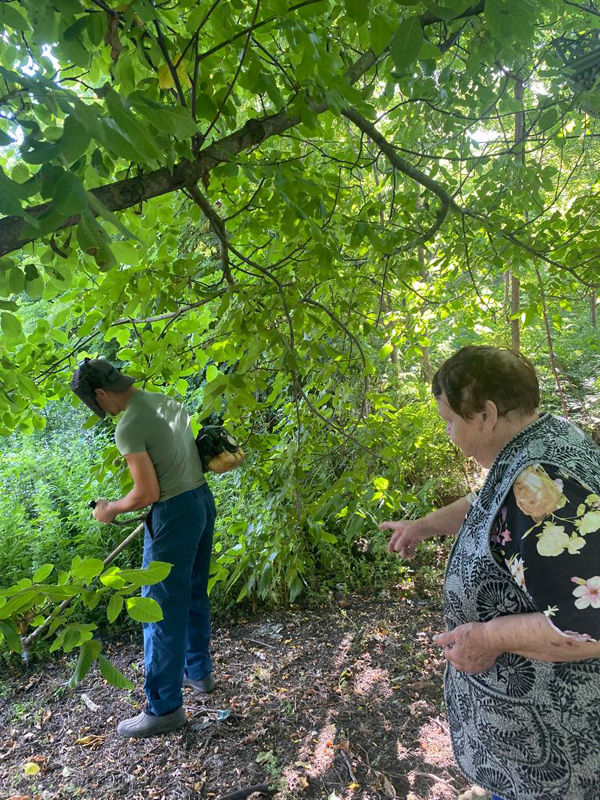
(474,647)
(407,534)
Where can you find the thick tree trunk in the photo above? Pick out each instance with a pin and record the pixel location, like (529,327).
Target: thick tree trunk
(594,308)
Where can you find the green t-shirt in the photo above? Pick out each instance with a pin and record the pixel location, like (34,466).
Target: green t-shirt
(160,426)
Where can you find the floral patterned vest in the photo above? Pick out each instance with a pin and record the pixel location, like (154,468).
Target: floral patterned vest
(525,729)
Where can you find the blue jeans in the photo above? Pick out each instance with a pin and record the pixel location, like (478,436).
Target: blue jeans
(180,531)
(496,797)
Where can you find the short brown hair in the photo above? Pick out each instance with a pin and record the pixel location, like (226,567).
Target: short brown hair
(475,374)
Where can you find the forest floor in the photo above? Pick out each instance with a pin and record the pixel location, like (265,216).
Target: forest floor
(342,702)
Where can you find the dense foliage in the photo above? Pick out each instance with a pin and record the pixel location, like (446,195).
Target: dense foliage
(284,213)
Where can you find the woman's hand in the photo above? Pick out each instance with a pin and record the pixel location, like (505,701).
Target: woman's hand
(405,537)
(469,647)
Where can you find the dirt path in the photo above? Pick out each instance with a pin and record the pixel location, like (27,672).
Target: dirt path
(334,703)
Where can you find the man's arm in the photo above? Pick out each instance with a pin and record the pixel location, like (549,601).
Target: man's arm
(145,489)
(475,646)
(407,534)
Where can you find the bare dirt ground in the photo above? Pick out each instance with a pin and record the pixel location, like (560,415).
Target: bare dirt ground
(336,703)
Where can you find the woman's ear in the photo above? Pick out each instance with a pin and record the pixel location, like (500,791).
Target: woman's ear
(489,413)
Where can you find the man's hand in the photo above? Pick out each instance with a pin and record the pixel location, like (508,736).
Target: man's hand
(405,537)
(469,647)
(103,512)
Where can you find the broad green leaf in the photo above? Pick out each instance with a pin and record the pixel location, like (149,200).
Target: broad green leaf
(112,675)
(87,568)
(144,609)
(386,350)
(167,119)
(10,633)
(11,325)
(548,119)
(296,587)
(380,32)
(88,653)
(126,253)
(74,141)
(115,605)
(155,572)
(42,573)
(358,10)
(406,43)
(69,195)
(12,18)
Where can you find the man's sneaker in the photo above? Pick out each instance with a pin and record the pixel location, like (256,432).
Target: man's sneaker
(146,725)
(203,686)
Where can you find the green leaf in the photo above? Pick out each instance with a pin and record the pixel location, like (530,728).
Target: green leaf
(296,587)
(42,573)
(548,119)
(16,280)
(10,633)
(5,139)
(174,120)
(112,674)
(429,51)
(144,609)
(74,141)
(88,653)
(69,195)
(12,18)
(114,608)
(133,129)
(386,350)
(155,572)
(126,253)
(86,568)
(11,325)
(380,33)
(358,10)
(406,43)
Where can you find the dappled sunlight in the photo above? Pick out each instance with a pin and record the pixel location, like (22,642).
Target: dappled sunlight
(342,651)
(323,750)
(371,681)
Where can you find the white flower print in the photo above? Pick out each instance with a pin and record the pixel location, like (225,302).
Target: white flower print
(517,567)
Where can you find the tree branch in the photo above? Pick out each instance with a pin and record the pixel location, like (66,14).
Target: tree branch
(218,227)
(16,232)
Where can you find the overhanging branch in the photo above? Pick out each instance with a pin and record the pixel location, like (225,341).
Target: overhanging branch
(448,202)
(15,232)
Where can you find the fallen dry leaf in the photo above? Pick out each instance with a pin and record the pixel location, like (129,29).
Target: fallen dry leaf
(90,741)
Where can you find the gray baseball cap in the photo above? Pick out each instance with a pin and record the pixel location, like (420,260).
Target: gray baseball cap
(96,373)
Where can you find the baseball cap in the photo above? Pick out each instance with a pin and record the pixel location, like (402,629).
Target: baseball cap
(96,373)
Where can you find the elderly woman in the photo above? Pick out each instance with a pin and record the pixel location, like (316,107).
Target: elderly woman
(522,587)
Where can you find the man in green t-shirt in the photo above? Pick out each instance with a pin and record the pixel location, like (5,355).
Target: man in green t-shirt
(155,437)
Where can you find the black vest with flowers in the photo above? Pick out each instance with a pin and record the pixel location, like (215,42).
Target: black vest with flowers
(525,729)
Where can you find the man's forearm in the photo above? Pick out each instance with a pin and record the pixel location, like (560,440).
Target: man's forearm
(132,501)
(446,521)
(532,636)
